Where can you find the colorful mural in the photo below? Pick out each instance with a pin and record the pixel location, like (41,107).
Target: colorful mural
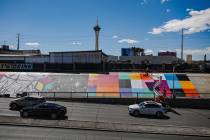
(131,84)
(117,84)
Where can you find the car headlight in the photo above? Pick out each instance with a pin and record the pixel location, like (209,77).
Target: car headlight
(130,109)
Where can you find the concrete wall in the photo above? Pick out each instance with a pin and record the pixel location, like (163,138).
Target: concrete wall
(106,85)
(202,83)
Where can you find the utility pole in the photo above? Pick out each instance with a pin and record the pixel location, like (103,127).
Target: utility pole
(18,43)
(205,62)
(182,44)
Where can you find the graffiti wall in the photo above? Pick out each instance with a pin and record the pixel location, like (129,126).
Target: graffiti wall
(16,82)
(110,85)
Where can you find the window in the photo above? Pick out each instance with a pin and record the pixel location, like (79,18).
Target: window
(152,106)
(43,106)
(148,105)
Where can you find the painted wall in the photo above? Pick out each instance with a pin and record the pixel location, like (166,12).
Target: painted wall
(185,85)
(131,83)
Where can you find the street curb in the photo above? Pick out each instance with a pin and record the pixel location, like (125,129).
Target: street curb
(107,126)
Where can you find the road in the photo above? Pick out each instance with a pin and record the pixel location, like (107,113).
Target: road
(39,133)
(119,113)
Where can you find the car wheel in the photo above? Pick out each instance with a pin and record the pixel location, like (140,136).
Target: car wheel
(159,114)
(14,106)
(53,116)
(136,113)
(24,114)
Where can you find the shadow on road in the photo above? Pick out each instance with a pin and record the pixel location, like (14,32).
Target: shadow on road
(165,117)
(48,118)
(175,112)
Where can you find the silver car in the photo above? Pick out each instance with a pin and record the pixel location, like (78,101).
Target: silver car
(19,103)
(147,108)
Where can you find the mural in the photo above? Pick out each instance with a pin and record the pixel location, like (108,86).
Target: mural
(13,82)
(98,85)
(131,84)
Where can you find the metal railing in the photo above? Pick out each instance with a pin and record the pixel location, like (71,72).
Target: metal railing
(135,95)
(91,94)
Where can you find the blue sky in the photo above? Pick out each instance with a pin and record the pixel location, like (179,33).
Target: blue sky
(67,25)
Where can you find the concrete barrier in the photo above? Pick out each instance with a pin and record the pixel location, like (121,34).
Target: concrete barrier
(178,103)
(104,126)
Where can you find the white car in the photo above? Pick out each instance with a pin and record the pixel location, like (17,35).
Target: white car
(147,108)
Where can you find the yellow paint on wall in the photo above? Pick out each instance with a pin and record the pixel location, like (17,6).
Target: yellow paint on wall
(39,86)
(187,85)
(135,76)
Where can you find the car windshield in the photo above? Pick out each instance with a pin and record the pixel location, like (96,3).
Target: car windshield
(141,104)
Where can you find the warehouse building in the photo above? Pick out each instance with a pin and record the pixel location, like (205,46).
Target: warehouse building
(71,61)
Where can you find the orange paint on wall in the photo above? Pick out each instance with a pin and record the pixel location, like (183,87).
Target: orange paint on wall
(135,76)
(187,85)
(145,77)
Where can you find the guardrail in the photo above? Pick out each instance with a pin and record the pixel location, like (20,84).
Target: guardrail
(90,94)
(137,95)
(193,101)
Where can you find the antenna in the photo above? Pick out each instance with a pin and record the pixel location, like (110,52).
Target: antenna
(97,21)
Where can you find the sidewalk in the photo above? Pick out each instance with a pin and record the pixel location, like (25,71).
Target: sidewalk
(108,126)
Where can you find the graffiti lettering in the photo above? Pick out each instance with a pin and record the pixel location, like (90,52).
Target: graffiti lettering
(6,66)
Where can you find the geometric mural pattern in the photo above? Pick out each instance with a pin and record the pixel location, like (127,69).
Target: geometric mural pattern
(99,85)
(129,84)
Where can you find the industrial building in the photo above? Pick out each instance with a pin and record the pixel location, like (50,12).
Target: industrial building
(167,53)
(133,51)
(4,49)
(56,61)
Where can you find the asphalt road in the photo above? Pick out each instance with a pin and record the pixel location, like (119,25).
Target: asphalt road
(39,133)
(119,113)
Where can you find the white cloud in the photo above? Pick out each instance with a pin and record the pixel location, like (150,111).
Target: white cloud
(32,44)
(114,36)
(163,1)
(189,9)
(148,51)
(162,51)
(196,53)
(76,43)
(197,22)
(144,2)
(12,47)
(129,41)
(168,10)
(146,39)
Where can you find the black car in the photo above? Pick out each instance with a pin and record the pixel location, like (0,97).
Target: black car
(22,94)
(19,103)
(51,110)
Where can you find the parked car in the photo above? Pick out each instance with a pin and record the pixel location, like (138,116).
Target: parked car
(5,95)
(19,103)
(147,108)
(21,94)
(51,110)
